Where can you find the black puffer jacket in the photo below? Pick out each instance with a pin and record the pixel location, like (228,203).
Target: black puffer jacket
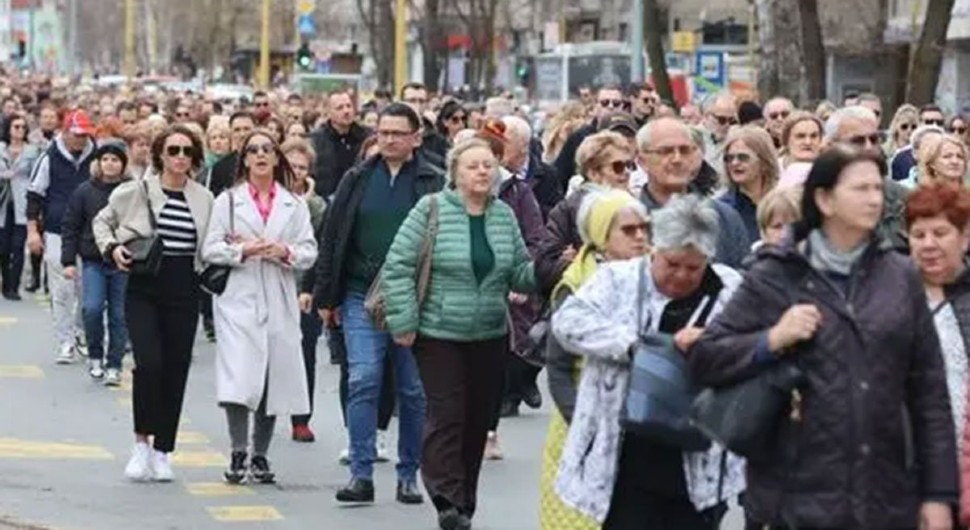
(561,233)
(77,237)
(876,437)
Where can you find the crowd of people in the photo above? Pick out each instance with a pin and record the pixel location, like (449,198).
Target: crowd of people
(447,252)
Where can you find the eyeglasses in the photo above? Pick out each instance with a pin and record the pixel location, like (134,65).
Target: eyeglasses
(726,120)
(611,103)
(457,118)
(622,166)
(938,123)
(958,130)
(862,140)
(394,135)
(253,149)
(669,150)
(779,115)
(634,229)
(743,158)
(907,126)
(175,150)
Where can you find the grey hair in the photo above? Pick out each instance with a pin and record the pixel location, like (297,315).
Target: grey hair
(697,136)
(645,134)
(854,113)
(586,207)
(518,128)
(686,221)
(920,134)
(460,148)
(498,107)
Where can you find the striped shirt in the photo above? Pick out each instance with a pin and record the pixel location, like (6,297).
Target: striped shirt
(176,226)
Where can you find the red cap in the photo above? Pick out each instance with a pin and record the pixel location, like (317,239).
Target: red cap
(78,122)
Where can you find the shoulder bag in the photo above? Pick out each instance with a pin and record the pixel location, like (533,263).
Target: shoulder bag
(375,303)
(214,278)
(146,251)
(660,392)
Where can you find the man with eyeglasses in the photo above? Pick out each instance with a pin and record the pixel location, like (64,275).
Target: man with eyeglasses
(371,203)
(776,111)
(609,99)
(857,127)
(667,151)
(720,114)
(415,95)
(337,143)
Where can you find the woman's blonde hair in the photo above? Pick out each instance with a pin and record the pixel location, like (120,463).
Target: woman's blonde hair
(759,141)
(930,150)
(299,145)
(216,126)
(459,149)
(905,113)
(570,117)
(779,201)
(592,152)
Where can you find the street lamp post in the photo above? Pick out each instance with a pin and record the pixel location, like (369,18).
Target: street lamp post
(264,48)
(400,45)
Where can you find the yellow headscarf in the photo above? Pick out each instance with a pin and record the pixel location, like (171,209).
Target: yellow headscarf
(598,222)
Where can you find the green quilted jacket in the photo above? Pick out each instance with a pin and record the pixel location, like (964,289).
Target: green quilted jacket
(456,308)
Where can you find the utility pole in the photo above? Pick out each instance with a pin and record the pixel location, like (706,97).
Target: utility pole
(636,43)
(263,77)
(400,46)
(130,38)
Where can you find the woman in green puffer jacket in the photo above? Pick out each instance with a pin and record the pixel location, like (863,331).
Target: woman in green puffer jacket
(459,334)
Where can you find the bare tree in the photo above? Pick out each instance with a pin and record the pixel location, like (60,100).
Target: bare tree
(479,19)
(813,50)
(378,19)
(928,55)
(432,41)
(780,70)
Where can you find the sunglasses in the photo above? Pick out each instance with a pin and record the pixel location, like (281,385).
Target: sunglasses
(185,150)
(933,122)
(611,103)
(253,149)
(958,130)
(457,118)
(743,158)
(779,115)
(622,166)
(862,140)
(726,120)
(907,126)
(634,229)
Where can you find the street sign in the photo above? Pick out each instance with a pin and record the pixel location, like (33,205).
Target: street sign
(711,68)
(307,25)
(683,42)
(305,7)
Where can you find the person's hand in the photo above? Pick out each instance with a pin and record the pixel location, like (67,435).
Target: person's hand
(254,247)
(569,254)
(799,323)
(405,339)
(122,257)
(935,516)
(35,243)
(306,302)
(276,251)
(70,272)
(518,298)
(686,338)
(331,317)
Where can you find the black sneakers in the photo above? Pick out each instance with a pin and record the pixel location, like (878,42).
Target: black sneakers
(358,491)
(452,519)
(408,492)
(236,474)
(259,470)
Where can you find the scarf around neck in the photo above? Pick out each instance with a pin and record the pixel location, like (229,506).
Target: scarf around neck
(825,258)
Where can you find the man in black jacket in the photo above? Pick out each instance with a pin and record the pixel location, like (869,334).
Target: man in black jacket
(523,162)
(415,95)
(337,143)
(608,99)
(222,174)
(370,204)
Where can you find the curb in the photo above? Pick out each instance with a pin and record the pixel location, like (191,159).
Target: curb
(10,523)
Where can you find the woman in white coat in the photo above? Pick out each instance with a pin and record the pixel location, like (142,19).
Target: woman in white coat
(263,231)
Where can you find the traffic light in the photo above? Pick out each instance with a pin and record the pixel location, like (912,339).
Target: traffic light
(304,58)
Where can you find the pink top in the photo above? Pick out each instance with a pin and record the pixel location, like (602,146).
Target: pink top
(794,175)
(263,207)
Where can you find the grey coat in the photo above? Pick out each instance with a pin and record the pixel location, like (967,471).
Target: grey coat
(17,174)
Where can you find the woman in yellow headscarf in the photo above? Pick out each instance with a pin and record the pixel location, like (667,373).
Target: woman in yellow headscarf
(613,226)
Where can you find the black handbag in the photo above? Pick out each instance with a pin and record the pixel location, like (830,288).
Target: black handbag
(660,393)
(745,417)
(214,278)
(146,251)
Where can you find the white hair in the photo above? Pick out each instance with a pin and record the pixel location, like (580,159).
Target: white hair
(686,221)
(590,200)
(498,107)
(464,134)
(921,133)
(645,134)
(517,128)
(856,112)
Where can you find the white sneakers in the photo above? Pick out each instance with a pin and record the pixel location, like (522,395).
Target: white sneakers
(382,453)
(148,464)
(113,377)
(96,368)
(66,355)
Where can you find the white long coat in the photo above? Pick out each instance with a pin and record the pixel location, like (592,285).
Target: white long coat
(257,318)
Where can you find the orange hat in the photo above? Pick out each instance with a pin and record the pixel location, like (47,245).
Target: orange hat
(78,122)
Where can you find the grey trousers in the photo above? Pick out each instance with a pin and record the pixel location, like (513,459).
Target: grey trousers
(263,425)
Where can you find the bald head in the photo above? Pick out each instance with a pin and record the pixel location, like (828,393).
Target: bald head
(668,153)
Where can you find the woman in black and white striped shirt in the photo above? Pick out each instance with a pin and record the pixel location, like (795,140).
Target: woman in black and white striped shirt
(161,309)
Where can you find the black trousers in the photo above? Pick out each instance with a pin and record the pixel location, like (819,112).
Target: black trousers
(311,327)
(205,307)
(162,316)
(385,407)
(13,238)
(462,382)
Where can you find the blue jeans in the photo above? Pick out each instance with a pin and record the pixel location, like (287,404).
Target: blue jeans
(368,348)
(104,285)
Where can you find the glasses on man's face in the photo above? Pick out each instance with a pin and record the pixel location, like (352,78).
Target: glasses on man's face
(176,150)
(253,149)
(781,115)
(669,150)
(726,120)
(632,230)
(391,134)
(938,123)
(620,167)
(611,103)
(866,140)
